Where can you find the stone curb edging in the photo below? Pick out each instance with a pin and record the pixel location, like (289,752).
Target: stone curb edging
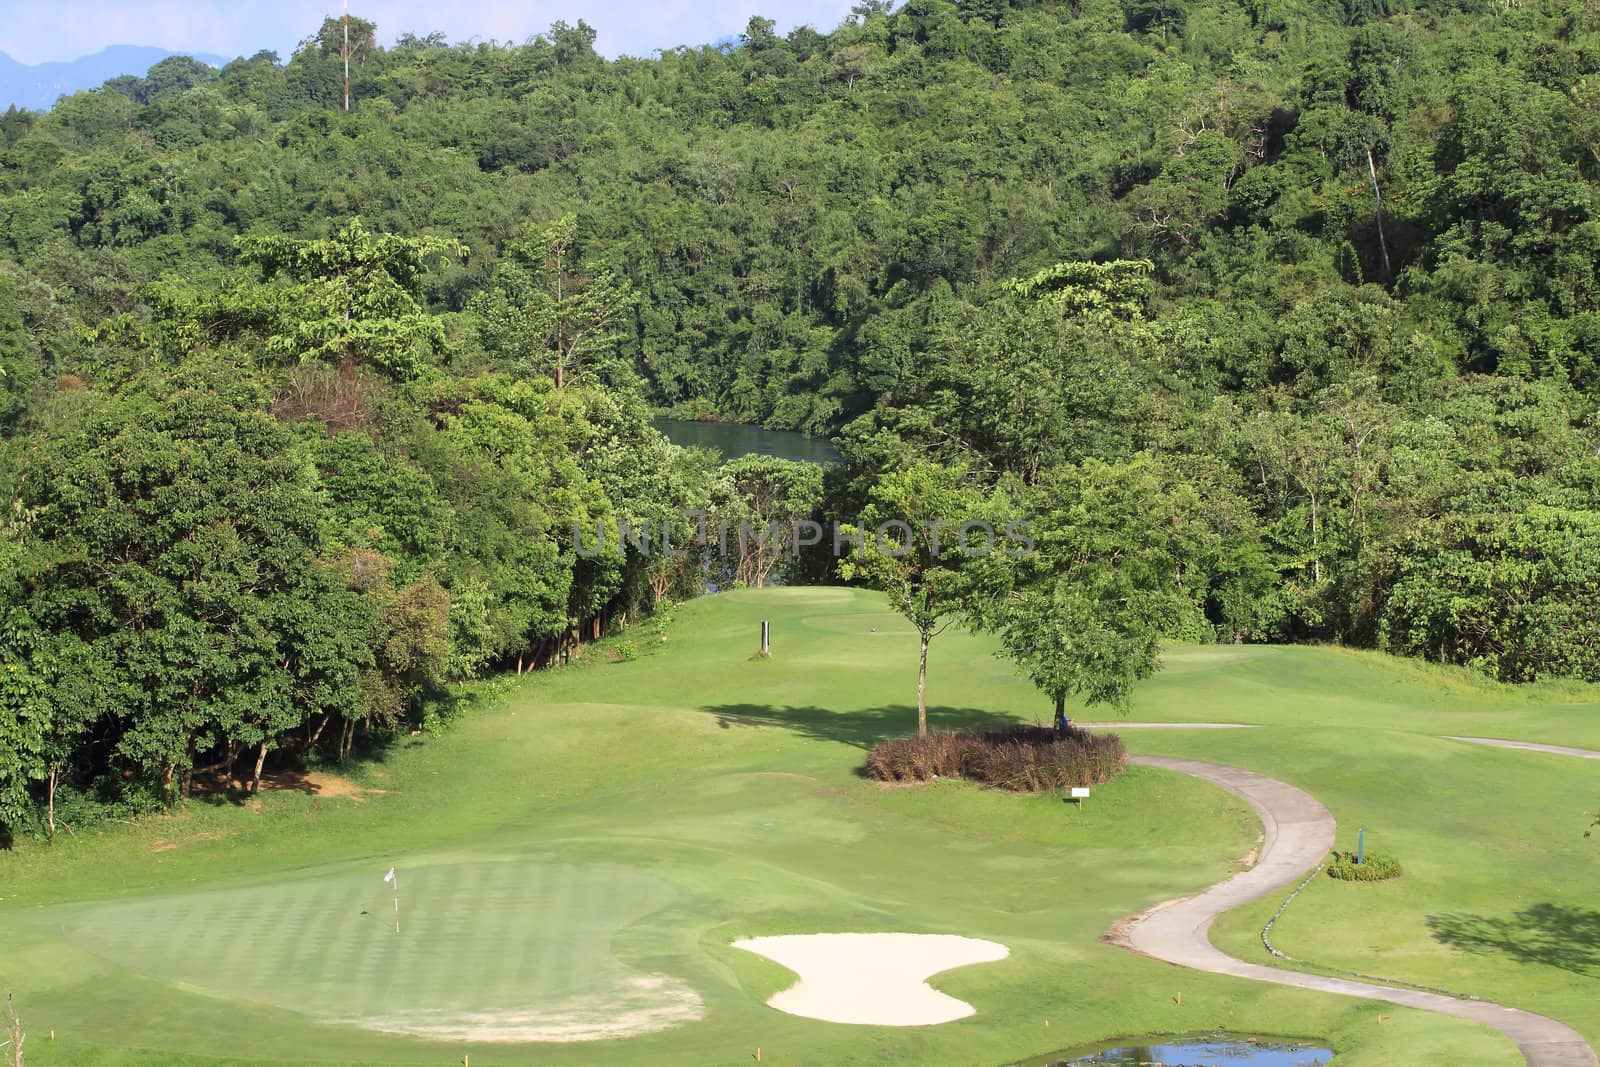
(1530,746)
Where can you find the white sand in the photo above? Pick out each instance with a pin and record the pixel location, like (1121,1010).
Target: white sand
(872,979)
(639,1004)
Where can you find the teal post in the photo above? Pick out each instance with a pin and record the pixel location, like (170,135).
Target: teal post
(1361,845)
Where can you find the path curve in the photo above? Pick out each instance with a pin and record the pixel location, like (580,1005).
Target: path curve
(1531,746)
(1299,835)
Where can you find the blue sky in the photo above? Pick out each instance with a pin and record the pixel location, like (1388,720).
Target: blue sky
(34,31)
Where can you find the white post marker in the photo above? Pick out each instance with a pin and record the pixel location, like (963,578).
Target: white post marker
(392,878)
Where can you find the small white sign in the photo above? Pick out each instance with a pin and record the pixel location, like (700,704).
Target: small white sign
(1080,792)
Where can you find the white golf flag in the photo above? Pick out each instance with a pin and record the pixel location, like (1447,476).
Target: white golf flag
(390,876)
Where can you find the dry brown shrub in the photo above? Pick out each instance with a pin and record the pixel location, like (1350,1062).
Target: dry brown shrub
(1026,759)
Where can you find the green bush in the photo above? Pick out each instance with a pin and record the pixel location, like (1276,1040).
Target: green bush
(1025,759)
(1375,867)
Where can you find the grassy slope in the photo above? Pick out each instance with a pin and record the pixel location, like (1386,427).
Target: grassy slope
(1497,899)
(733,780)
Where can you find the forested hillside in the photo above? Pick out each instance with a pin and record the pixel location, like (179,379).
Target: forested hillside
(301,405)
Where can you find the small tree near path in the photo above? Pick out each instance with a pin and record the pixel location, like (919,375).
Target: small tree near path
(908,544)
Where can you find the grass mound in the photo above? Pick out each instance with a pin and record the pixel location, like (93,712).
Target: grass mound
(1025,759)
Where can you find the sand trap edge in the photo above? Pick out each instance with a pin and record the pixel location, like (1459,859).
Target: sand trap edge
(866,979)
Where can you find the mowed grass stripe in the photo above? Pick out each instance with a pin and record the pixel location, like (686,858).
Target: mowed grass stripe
(474,937)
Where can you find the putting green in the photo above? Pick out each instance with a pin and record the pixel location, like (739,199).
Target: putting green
(490,952)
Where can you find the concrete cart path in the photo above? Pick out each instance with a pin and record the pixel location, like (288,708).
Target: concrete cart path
(1299,835)
(1531,746)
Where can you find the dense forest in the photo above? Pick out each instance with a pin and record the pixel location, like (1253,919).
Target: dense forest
(1279,320)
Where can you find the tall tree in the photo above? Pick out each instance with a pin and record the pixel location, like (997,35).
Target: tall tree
(1112,572)
(913,542)
(19,368)
(353,298)
(550,313)
(761,521)
(179,533)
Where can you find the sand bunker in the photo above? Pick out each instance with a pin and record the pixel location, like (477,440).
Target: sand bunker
(872,979)
(643,1004)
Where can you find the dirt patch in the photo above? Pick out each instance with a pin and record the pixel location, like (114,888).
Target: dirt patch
(311,783)
(319,784)
(1121,929)
(1254,853)
(161,844)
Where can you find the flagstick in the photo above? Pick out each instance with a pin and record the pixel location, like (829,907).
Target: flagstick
(397,903)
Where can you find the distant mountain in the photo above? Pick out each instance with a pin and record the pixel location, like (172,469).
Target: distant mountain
(36,87)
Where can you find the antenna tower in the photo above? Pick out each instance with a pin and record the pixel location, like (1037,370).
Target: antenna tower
(347,55)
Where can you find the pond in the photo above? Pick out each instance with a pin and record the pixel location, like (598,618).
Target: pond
(733,440)
(1212,1050)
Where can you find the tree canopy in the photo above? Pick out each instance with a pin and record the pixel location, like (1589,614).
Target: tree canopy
(1274,322)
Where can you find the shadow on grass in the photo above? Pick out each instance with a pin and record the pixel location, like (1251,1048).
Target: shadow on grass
(1552,934)
(862,727)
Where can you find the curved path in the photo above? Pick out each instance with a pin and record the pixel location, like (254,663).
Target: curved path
(1299,834)
(1531,746)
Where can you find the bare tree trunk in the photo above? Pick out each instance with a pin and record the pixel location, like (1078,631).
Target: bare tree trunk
(261,757)
(225,765)
(50,801)
(519,664)
(1061,715)
(17,1036)
(1377,206)
(1316,540)
(318,732)
(922,689)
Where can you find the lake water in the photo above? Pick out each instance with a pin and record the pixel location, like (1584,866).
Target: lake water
(733,440)
(1211,1051)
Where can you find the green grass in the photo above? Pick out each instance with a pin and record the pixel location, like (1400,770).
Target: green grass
(613,820)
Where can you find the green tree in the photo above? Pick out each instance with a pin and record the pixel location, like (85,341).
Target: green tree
(179,534)
(1509,594)
(1115,568)
(548,314)
(19,367)
(913,542)
(771,501)
(353,298)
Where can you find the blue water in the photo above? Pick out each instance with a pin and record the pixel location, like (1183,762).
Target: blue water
(1198,1052)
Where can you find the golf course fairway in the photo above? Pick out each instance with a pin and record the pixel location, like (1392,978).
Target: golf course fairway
(581,848)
